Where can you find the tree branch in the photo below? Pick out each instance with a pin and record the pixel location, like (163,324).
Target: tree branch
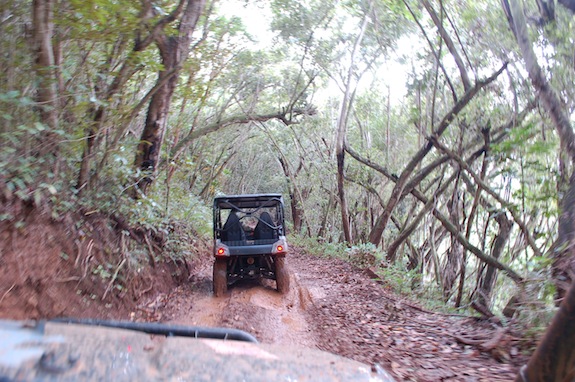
(490,191)
(377,231)
(240,120)
(444,220)
(450,45)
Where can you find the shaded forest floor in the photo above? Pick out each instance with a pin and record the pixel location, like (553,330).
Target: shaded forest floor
(49,268)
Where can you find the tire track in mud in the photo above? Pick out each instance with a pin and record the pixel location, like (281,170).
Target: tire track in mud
(252,306)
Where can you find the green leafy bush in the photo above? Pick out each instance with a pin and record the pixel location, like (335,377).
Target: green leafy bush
(318,248)
(365,255)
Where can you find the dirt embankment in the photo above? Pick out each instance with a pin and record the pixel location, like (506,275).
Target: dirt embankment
(73,265)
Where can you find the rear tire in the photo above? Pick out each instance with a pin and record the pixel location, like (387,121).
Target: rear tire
(220,278)
(282,275)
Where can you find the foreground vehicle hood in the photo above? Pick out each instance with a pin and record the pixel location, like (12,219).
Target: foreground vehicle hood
(49,351)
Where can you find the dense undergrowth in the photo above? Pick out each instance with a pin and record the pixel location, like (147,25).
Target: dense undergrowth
(368,256)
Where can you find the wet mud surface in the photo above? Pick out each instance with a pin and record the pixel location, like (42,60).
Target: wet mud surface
(335,307)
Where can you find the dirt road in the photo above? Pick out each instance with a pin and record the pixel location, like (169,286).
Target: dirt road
(335,307)
(255,307)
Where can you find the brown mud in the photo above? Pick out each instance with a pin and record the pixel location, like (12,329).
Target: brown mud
(338,308)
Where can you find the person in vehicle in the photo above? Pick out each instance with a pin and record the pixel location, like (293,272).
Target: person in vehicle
(265,228)
(232,230)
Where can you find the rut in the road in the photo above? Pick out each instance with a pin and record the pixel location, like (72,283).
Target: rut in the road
(253,306)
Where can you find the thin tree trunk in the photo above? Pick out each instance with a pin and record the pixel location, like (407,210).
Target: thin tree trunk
(206,192)
(325,215)
(450,45)
(341,131)
(435,54)
(455,251)
(407,231)
(297,196)
(43,14)
(296,201)
(471,219)
(487,283)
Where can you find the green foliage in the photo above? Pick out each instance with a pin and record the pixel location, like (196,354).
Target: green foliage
(322,249)
(103,20)
(28,176)
(365,255)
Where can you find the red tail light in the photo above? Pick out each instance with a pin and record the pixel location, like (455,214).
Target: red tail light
(280,247)
(221,249)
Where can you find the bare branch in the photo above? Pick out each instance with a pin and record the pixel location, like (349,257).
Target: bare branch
(377,231)
(444,221)
(240,120)
(450,45)
(490,191)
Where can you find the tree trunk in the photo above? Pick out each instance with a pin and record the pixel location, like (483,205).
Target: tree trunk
(340,136)
(43,14)
(564,255)
(342,200)
(322,231)
(294,194)
(450,45)
(488,280)
(455,251)
(173,51)
(554,357)
(563,264)
(472,214)
(148,151)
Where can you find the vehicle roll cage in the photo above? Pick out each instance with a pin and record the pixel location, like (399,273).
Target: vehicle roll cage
(249,205)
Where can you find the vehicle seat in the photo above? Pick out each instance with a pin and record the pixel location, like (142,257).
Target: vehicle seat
(233,230)
(264,229)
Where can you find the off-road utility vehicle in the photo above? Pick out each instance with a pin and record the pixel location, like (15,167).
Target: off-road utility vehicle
(249,240)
